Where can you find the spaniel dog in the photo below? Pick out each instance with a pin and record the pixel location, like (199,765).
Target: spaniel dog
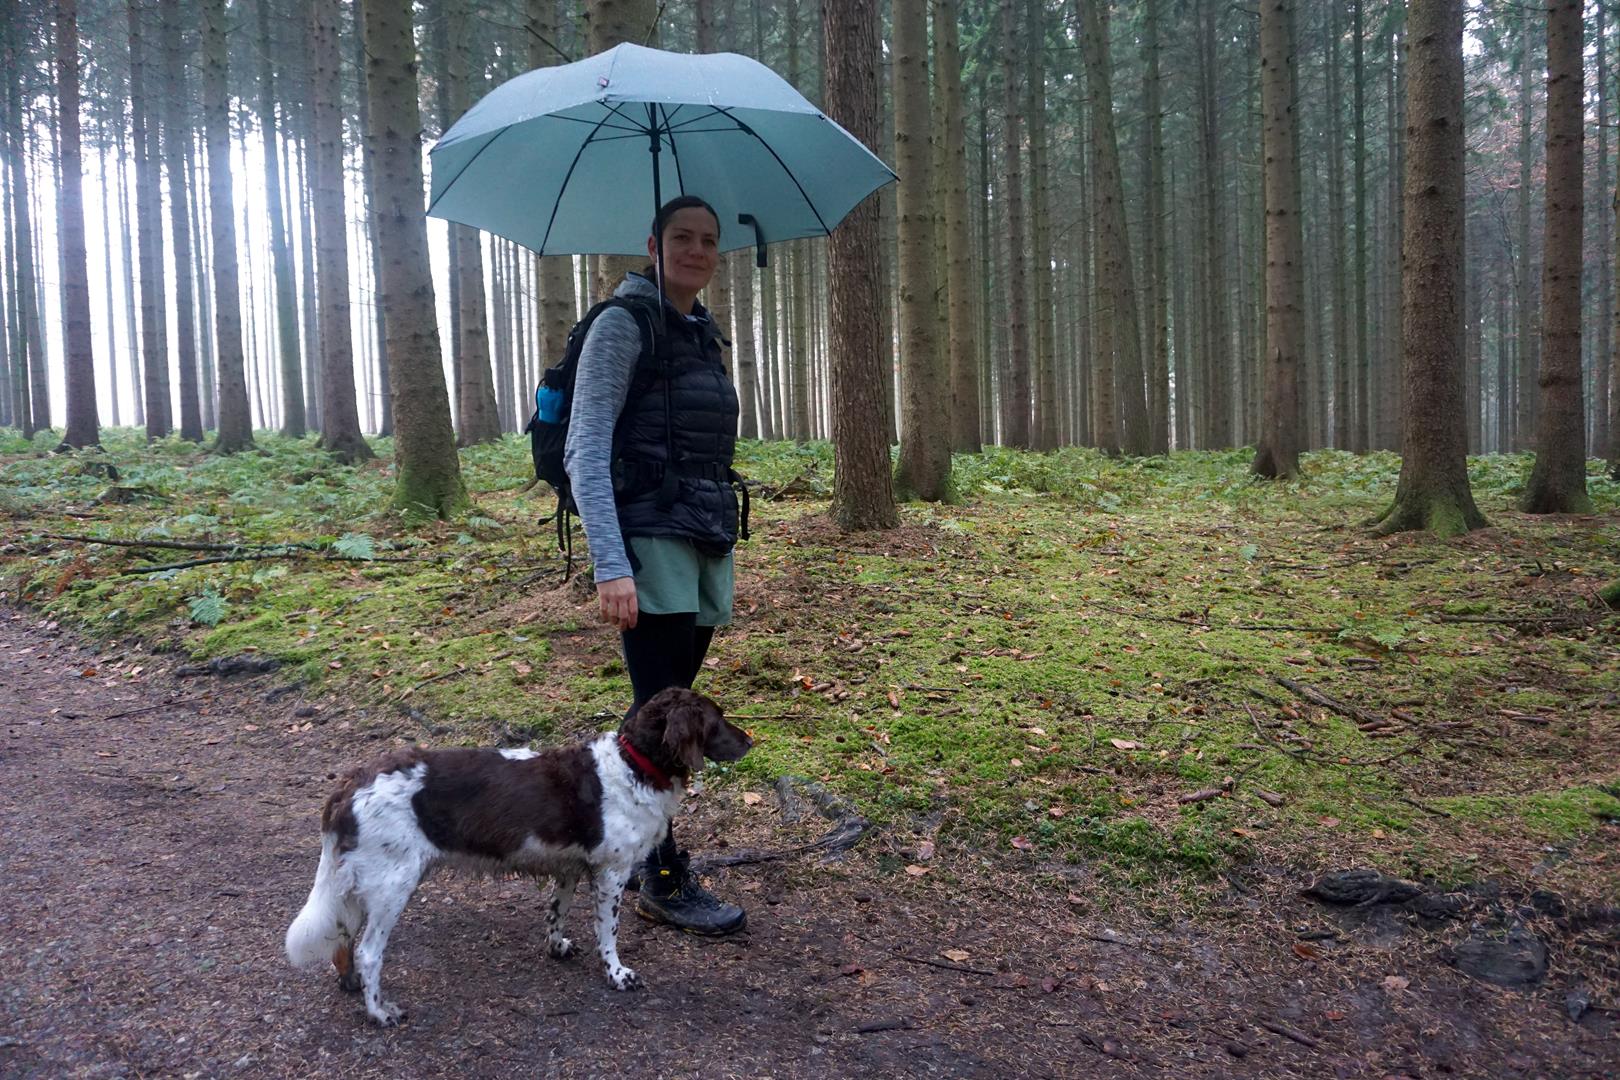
(594,809)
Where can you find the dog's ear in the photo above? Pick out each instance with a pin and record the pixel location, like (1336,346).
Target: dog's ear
(686,724)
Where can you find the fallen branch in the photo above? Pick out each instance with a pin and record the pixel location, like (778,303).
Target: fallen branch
(459,669)
(1205,624)
(147,709)
(1425,807)
(179,545)
(1278,1028)
(256,557)
(965,969)
(1316,697)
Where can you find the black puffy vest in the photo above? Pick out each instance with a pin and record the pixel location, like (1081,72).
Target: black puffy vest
(682,399)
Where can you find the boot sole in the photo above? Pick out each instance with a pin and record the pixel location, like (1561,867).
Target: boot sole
(655,917)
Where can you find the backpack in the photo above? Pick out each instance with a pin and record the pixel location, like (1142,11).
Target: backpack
(553,404)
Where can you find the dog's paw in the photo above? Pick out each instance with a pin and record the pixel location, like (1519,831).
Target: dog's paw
(387,1015)
(625,979)
(349,982)
(561,948)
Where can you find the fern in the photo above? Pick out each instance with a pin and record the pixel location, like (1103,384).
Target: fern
(355,546)
(207,609)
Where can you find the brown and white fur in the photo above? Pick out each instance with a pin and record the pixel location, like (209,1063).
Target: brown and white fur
(584,810)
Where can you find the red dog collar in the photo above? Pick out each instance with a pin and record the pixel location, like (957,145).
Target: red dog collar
(655,776)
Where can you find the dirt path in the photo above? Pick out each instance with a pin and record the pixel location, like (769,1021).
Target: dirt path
(150,862)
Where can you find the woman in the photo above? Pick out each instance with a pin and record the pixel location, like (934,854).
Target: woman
(648,456)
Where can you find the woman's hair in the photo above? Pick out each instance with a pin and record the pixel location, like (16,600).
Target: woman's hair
(680,202)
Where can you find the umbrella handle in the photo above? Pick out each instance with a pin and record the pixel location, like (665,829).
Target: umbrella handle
(759,237)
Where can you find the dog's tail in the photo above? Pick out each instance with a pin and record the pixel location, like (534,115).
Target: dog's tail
(320,927)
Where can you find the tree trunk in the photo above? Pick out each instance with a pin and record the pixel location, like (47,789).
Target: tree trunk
(554,311)
(1277,456)
(206,389)
(479,419)
(126,232)
(1558,480)
(340,416)
(429,475)
(292,376)
(862,495)
(372,254)
(235,421)
(1218,363)
(1605,269)
(176,136)
(1115,272)
(1524,317)
(1156,292)
(1045,431)
(1361,417)
(306,244)
(1433,491)
(959,265)
(1343,399)
(925,448)
(1015,389)
(82,425)
(25,305)
(149,227)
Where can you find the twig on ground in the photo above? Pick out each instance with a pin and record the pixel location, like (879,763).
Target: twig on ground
(1204,624)
(147,709)
(258,556)
(1316,697)
(1425,807)
(178,545)
(1278,1028)
(965,969)
(459,669)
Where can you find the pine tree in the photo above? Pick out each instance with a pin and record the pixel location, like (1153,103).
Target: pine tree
(82,425)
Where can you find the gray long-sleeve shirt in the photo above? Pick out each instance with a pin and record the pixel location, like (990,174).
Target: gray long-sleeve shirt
(607,361)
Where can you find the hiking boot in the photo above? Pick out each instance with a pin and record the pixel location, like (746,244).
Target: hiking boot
(672,894)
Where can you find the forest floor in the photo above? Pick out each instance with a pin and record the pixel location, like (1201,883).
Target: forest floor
(1107,720)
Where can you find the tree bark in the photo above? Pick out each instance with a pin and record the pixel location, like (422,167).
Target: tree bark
(862,494)
(1217,367)
(1016,403)
(609,23)
(1277,456)
(235,420)
(340,416)
(292,376)
(82,425)
(149,229)
(1114,262)
(959,265)
(479,419)
(925,451)
(1156,291)
(1433,491)
(25,303)
(429,475)
(1361,406)
(1343,394)
(1558,480)
(1044,434)
(1524,316)
(176,137)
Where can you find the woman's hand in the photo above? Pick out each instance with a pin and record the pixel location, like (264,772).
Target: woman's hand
(617,598)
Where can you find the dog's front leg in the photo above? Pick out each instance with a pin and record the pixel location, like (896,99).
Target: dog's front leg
(607,888)
(559,947)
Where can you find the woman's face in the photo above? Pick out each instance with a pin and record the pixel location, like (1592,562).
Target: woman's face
(691,250)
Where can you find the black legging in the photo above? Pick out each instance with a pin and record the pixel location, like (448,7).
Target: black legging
(663,651)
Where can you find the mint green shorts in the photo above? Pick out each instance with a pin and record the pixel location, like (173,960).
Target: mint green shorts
(675,578)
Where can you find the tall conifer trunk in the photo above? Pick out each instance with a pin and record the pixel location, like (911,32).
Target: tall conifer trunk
(1016,404)
(176,137)
(1155,290)
(149,229)
(429,474)
(1558,480)
(1277,456)
(292,376)
(235,419)
(1433,490)
(82,424)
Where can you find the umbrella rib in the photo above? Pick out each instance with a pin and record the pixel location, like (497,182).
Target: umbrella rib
(462,171)
(680,181)
(596,123)
(769,150)
(562,188)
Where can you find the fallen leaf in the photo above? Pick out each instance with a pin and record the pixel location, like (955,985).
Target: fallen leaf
(894,699)
(1049,984)
(1016,763)
(522,668)
(752,798)
(1330,822)
(925,851)
(1125,744)
(1306,951)
(250,727)
(1022,844)
(959,955)
(88,673)
(917,871)
(1393,983)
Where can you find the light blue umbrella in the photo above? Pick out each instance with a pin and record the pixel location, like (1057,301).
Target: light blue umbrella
(574,159)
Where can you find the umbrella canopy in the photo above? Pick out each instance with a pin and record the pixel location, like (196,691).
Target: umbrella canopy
(573,159)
